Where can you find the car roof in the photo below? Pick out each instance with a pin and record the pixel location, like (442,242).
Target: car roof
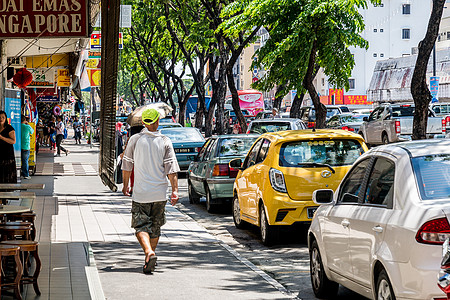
(293,135)
(419,148)
(275,120)
(240,136)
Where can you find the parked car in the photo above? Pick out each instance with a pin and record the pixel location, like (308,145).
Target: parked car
(187,142)
(308,113)
(272,125)
(210,176)
(275,182)
(390,123)
(380,233)
(350,122)
(440,109)
(169,125)
(267,114)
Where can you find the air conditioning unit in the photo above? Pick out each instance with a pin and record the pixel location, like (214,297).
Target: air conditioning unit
(414,50)
(17,61)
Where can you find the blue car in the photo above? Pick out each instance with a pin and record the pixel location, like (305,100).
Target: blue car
(187,142)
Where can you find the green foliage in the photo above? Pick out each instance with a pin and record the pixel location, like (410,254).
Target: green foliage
(294,25)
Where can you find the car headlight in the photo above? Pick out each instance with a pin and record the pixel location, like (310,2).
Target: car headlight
(277,180)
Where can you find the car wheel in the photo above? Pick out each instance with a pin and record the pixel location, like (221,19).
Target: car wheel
(268,232)
(238,222)
(323,287)
(193,196)
(385,139)
(209,206)
(384,287)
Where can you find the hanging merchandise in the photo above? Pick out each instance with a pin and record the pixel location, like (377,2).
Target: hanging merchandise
(57,110)
(22,78)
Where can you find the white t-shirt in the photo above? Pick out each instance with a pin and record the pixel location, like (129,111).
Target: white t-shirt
(153,158)
(59,128)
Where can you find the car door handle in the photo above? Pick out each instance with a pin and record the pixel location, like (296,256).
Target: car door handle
(345,223)
(378,229)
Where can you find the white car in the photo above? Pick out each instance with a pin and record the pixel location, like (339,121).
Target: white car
(380,234)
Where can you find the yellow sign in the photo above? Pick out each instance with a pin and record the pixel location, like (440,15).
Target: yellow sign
(95,77)
(63,78)
(93,63)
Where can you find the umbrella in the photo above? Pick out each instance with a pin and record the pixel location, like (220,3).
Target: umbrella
(135,118)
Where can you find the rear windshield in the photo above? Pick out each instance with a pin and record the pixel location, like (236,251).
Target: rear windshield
(263,127)
(403,111)
(353,118)
(433,176)
(331,152)
(330,113)
(183,135)
(235,146)
(345,109)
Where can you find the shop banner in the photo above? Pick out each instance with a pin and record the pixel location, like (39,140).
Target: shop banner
(336,96)
(37,18)
(63,78)
(42,78)
(32,159)
(48,99)
(12,109)
(96,41)
(94,77)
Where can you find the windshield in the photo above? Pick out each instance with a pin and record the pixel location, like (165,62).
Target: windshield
(235,146)
(331,152)
(433,176)
(183,135)
(330,112)
(263,127)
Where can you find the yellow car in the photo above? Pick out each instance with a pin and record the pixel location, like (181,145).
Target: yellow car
(275,182)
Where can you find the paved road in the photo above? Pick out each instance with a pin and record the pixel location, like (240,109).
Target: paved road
(288,263)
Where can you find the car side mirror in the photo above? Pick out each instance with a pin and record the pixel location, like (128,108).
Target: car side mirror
(323,196)
(235,164)
(366,119)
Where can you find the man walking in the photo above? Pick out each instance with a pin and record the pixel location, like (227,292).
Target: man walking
(60,136)
(77,128)
(153,158)
(26,130)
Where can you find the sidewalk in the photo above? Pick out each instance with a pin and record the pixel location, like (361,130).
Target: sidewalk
(89,250)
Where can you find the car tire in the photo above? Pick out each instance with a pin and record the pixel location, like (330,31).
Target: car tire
(323,287)
(194,198)
(384,289)
(385,139)
(211,208)
(238,222)
(268,232)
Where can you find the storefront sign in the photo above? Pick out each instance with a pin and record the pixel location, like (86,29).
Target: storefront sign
(42,77)
(43,18)
(96,41)
(95,54)
(336,96)
(93,63)
(63,78)
(356,100)
(48,99)
(94,77)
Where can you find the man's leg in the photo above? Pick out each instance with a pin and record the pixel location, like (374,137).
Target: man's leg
(58,143)
(146,243)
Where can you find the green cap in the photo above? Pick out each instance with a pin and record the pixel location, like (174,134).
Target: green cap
(150,116)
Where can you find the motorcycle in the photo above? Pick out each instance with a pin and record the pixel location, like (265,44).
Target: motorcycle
(444,274)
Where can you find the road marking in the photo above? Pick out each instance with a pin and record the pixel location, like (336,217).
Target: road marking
(260,272)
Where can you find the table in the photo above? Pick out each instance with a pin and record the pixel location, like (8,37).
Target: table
(18,195)
(12,209)
(22,186)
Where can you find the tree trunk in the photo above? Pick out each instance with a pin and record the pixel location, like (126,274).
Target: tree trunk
(321,110)
(296,105)
(235,98)
(419,89)
(279,95)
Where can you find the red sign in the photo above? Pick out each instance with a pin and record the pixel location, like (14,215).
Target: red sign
(356,99)
(43,18)
(338,95)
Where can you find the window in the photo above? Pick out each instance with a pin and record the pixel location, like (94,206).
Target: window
(251,157)
(209,151)
(323,81)
(406,33)
(235,146)
(263,152)
(374,55)
(352,184)
(381,30)
(351,83)
(376,114)
(380,185)
(202,151)
(448,35)
(374,30)
(433,176)
(406,9)
(381,54)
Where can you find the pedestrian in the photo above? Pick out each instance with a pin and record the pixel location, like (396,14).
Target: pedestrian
(275,113)
(77,129)
(60,136)
(8,172)
(40,133)
(153,158)
(51,131)
(25,131)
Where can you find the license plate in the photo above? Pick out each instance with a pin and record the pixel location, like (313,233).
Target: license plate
(183,150)
(311,211)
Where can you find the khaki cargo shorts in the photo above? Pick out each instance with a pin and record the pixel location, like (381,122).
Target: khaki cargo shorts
(148,217)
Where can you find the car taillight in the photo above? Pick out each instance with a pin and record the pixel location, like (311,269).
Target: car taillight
(311,124)
(444,125)
(277,180)
(198,149)
(434,232)
(233,172)
(221,170)
(347,128)
(397,127)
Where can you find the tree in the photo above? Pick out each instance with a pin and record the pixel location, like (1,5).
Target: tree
(419,89)
(304,36)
